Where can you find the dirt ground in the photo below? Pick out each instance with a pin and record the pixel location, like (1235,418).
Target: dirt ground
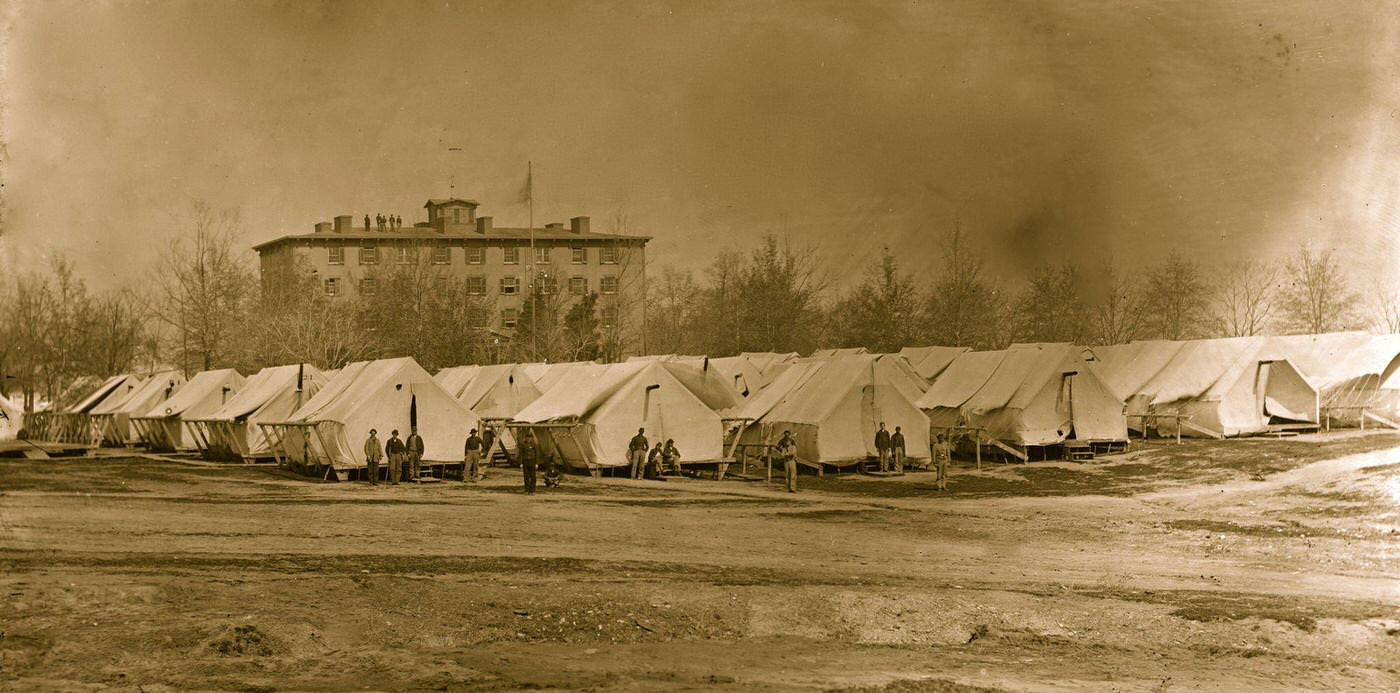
(1214,565)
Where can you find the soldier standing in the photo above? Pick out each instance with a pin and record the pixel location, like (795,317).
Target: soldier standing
(637,452)
(942,454)
(373,453)
(897,448)
(394,448)
(528,459)
(787,452)
(488,439)
(415,454)
(366,223)
(882,447)
(472,473)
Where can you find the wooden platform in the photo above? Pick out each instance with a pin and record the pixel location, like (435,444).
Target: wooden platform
(41,449)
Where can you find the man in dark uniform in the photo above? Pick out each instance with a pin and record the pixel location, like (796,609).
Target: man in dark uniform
(394,449)
(373,453)
(415,454)
(366,223)
(897,449)
(637,453)
(653,470)
(471,470)
(882,446)
(529,458)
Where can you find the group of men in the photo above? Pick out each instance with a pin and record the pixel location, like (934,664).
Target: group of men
(652,464)
(391,222)
(405,457)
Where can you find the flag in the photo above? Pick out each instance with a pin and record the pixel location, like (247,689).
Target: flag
(527,191)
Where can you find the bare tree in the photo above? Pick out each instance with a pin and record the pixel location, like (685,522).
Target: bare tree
(1315,296)
(1050,308)
(205,286)
(1177,299)
(1386,310)
(419,310)
(296,322)
(1245,300)
(673,301)
(1116,314)
(964,308)
(883,314)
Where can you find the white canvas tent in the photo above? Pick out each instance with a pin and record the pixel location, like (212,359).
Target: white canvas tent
(163,426)
(929,361)
(328,432)
(845,351)
(271,394)
(454,379)
(1218,388)
(111,420)
(833,406)
(749,373)
(1356,374)
(1027,395)
(72,425)
(11,419)
(589,417)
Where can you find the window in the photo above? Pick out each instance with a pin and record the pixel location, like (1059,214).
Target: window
(609,316)
(336,255)
(542,256)
(369,256)
(406,255)
(476,255)
(512,254)
(548,285)
(508,317)
(456,215)
(510,285)
(608,285)
(607,255)
(479,318)
(332,287)
(367,287)
(440,284)
(578,286)
(476,285)
(578,256)
(442,255)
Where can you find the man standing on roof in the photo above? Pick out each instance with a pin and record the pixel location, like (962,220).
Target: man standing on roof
(942,454)
(472,471)
(637,452)
(787,452)
(529,456)
(373,453)
(415,454)
(366,223)
(394,448)
(897,450)
(882,447)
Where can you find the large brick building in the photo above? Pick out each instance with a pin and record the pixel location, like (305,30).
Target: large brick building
(492,262)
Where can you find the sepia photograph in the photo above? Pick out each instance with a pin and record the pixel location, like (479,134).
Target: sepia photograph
(858,346)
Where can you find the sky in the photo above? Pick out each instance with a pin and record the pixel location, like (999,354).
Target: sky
(1046,131)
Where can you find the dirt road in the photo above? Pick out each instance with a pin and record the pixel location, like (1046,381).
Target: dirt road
(1216,565)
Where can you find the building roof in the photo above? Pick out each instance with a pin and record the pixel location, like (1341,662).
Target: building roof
(438,202)
(429,233)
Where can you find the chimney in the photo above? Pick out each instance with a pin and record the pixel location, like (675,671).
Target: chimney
(554,225)
(579,225)
(323,227)
(344,223)
(483,225)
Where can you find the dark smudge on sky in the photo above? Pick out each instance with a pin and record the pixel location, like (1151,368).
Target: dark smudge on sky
(1053,131)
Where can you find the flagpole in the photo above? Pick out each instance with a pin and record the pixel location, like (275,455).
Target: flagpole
(534,307)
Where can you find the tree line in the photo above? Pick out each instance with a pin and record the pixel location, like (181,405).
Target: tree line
(207,307)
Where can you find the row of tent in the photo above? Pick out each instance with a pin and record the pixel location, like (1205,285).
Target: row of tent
(1026,396)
